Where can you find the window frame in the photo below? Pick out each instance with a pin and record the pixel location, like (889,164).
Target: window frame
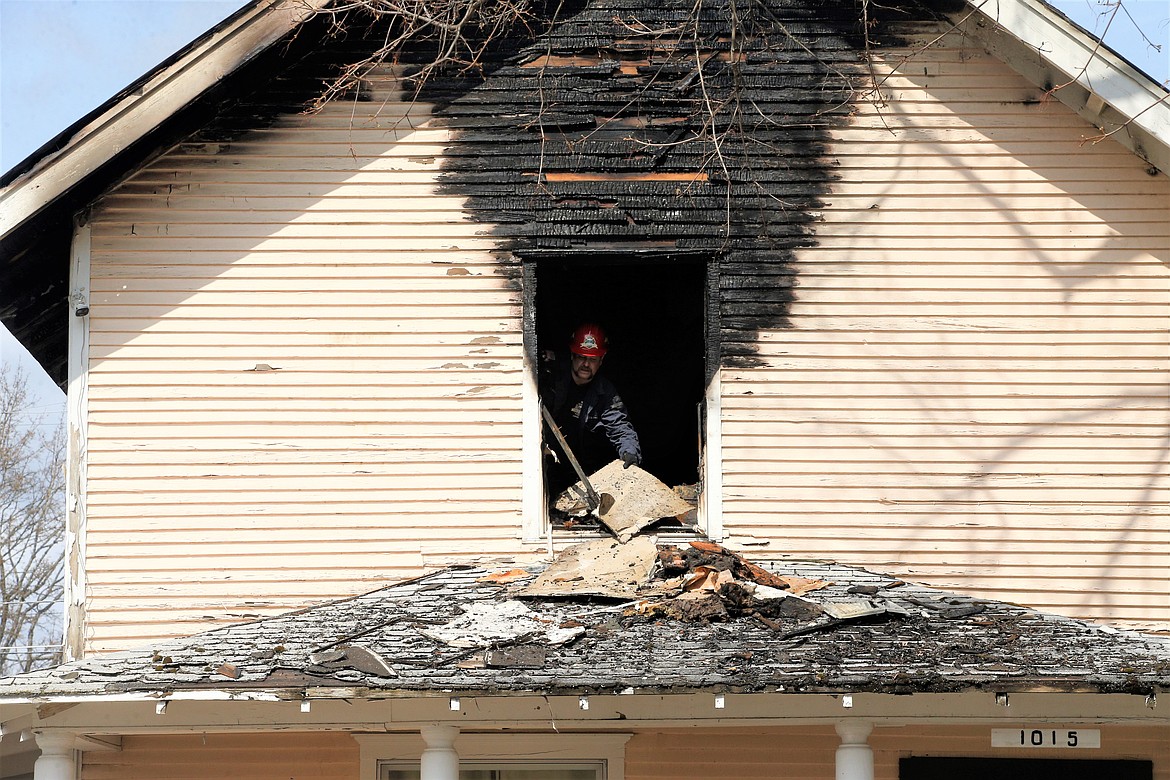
(535,526)
(598,766)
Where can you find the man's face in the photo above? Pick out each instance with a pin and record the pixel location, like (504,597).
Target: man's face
(583,368)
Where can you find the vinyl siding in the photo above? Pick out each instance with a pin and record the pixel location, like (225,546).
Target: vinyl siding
(808,752)
(270,756)
(306,364)
(305,375)
(975,392)
(793,753)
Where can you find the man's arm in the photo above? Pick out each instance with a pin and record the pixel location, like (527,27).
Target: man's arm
(619,430)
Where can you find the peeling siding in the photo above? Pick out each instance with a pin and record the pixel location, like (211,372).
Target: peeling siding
(306,372)
(974,391)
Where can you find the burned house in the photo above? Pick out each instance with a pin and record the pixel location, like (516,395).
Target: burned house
(888,292)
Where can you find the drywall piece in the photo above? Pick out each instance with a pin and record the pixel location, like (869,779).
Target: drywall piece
(494,622)
(604,567)
(639,499)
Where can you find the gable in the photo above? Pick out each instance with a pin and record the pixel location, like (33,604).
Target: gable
(938,320)
(34,252)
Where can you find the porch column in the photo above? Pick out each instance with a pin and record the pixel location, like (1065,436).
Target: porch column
(439,759)
(56,761)
(854,756)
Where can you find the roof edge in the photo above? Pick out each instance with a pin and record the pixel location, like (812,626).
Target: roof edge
(134,112)
(1104,79)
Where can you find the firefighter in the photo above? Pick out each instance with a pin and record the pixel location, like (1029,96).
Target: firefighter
(587,409)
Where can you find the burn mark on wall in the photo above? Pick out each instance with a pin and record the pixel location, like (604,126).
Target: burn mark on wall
(630,127)
(593,135)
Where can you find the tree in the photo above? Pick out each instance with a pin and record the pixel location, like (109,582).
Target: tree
(32,529)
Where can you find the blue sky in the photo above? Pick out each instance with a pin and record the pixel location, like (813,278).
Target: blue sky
(60,59)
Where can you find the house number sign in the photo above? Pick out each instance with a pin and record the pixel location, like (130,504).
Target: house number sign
(1045,737)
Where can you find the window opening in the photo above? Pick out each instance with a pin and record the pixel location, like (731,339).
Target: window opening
(653,313)
(955,768)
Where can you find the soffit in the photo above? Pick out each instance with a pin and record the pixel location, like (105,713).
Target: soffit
(1056,54)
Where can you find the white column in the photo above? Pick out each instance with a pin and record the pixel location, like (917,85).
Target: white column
(439,760)
(854,756)
(56,761)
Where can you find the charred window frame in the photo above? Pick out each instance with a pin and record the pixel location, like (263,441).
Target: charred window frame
(689,282)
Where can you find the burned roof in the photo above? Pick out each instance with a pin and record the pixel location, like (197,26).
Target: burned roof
(705,619)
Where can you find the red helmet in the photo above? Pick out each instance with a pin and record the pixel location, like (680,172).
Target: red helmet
(589,341)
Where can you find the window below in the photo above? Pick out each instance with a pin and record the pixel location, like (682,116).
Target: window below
(478,770)
(501,756)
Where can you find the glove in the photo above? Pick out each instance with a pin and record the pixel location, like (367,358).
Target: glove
(630,459)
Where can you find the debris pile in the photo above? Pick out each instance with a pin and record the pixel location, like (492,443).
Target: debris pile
(702,582)
(712,583)
(631,500)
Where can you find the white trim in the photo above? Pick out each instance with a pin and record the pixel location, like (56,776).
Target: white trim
(854,756)
(711,501)
(58,758)
(77,402)
(534,522)
(1094,67)
(1108,78)
(135,115)
(610,748)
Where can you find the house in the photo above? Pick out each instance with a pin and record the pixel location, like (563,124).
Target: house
(892,295)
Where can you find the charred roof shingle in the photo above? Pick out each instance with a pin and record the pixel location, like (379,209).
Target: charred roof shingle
(920,641)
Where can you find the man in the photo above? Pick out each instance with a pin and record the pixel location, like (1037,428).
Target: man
(587,409)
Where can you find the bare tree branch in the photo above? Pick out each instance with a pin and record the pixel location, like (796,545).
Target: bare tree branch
(32,527)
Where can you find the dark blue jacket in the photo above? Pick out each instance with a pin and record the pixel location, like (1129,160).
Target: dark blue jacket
(601,418)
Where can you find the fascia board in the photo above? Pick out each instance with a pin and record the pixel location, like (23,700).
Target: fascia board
(1086,61)
(166,92)
(225,710)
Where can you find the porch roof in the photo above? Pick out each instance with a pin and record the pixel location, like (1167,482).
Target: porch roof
(470,631)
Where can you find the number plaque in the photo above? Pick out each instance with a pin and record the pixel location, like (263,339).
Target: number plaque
(1045,737)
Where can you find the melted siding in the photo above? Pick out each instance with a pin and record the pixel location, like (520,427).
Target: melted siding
(974,391)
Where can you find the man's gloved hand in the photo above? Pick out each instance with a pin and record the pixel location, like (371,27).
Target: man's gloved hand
(629,459)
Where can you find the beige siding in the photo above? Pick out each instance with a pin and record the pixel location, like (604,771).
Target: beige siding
(306,366)
(976,389)
(792,753)
(271,756)
(808,752)
(305,375)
